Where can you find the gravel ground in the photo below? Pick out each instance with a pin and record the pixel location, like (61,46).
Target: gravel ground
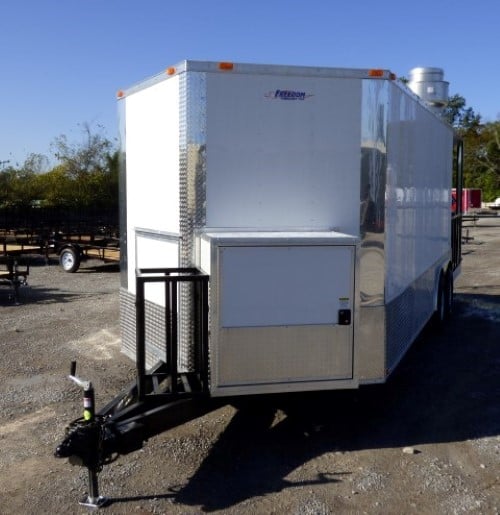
(426,442)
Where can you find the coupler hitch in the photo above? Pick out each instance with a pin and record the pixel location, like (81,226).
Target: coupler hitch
(83,442)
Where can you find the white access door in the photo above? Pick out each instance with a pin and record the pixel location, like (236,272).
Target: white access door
(282,319)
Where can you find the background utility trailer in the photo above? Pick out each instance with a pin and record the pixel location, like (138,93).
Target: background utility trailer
(73,234)
(73,248)
(316,199)
(284,229)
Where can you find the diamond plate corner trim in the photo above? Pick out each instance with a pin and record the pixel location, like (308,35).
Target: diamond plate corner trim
(192,166)
(192,192)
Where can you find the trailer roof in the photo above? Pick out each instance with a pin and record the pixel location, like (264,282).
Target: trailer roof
(259,69)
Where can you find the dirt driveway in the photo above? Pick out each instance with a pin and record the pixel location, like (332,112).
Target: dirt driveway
(426,442)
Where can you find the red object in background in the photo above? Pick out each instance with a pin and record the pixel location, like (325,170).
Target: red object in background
(471,199)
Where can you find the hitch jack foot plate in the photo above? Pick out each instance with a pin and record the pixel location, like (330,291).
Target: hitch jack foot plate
(94,503)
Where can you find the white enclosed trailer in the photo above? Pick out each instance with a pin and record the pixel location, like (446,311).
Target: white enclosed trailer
(316,199)
(283,229)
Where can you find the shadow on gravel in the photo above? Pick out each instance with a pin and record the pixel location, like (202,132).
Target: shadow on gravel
(37,295)
(33,294)
(98,267)
(445,390)
(47,295)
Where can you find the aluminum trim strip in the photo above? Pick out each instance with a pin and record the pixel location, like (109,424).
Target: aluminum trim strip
(155,234)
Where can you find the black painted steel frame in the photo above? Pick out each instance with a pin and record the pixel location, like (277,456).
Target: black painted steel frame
(172,277)
(157,400)
(456,220)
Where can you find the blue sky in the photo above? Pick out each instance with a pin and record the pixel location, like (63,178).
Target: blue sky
(62,62)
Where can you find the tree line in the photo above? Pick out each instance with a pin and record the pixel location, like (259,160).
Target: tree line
(85,176)
(86,173)
(481,147)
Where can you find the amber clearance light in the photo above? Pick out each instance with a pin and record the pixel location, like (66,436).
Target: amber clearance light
(226,66)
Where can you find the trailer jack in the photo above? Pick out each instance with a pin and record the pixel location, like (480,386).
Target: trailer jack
(156,401)
(83,442)
(123,426)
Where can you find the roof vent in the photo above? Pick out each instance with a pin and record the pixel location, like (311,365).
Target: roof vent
(429,85)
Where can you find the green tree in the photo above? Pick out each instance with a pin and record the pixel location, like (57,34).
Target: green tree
(89,166)
(56,187)
(24,188)
(7,177)
(460,116)
(85,156)
(36,163)
(482,159)
(20,186)
(481,147)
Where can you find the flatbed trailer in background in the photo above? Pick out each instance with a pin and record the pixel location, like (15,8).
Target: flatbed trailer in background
(17,242)
(71,236)
(72,249)
(17,250)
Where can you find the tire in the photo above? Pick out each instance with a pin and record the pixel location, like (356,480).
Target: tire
(442,297)
(69,259)
(449,294)
(444,306)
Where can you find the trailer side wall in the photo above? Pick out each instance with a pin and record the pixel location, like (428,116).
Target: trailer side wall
(418,218)
(152,132)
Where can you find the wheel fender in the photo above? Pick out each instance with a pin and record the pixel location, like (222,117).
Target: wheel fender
(73,246)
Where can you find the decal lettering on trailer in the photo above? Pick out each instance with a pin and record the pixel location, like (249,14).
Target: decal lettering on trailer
(288,94)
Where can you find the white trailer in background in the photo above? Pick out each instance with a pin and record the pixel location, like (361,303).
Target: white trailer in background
(318,202)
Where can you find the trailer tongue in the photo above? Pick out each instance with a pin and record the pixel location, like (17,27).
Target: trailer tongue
(156,401)
(124,425)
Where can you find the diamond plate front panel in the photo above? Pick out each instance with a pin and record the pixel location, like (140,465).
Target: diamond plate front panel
(155,329)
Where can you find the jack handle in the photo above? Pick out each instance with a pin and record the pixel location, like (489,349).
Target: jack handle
(88,394)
